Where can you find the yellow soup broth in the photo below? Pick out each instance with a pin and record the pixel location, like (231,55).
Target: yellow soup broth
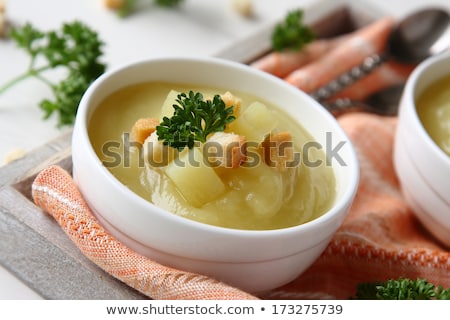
(433,107)
(252,197)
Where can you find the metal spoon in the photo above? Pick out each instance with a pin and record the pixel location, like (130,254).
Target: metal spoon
(416,37)
(384,102)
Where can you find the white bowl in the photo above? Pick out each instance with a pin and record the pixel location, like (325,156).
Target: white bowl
(422,167)
(251,260)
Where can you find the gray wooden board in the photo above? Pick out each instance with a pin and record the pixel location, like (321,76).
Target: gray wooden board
(37,251)
(32,245)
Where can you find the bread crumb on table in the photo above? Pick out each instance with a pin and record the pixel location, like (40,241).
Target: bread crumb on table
(2,19)
(13,155)
(242,7)
(112,4)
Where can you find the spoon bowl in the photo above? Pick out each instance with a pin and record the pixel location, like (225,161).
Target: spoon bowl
(418,36)
(421,34)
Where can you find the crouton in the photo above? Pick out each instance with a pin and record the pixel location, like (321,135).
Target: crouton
(278,151)
(156,154)
(142,128)
(113,4)
(224,149)
(14,154)
(242,7)
(231,100)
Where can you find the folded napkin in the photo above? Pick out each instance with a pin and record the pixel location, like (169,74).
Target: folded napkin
(55,192)
(380,239)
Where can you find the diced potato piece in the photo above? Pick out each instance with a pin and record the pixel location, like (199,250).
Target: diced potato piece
(263,187)
(194,178)
(167,107)
(142,128)
(255,122)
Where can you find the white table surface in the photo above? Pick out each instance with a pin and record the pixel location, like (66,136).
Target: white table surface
(197,27)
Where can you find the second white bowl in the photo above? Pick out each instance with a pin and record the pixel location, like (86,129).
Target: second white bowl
(422,167)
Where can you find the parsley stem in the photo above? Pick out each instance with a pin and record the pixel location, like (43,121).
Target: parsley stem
(36,73)
(44,80)
(13,82)
(75,48)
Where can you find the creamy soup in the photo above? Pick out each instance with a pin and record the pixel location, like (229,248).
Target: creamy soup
(253,196)
(433,107)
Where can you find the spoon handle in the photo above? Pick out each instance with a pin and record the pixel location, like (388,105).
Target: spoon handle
(347,78)
(345,105)
(384,102)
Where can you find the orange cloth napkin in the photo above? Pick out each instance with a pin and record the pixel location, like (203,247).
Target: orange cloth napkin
(380,239)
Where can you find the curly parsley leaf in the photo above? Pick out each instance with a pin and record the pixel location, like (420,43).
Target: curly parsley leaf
(291,33)
(193,120)
(402,289)
(168,3)
(76,48)
(130,6)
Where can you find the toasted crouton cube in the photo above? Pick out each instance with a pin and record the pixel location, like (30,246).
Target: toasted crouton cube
(142,128)
(231,100)
(224,149)
(278,150)
(156,153)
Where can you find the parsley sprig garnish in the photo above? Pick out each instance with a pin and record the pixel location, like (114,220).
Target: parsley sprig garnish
(402,289)
(75,48)
(168,3)
(129,6)
(291,33)
(193,120)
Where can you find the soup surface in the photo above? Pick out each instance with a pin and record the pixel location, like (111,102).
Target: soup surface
(255,196)
(433,107)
